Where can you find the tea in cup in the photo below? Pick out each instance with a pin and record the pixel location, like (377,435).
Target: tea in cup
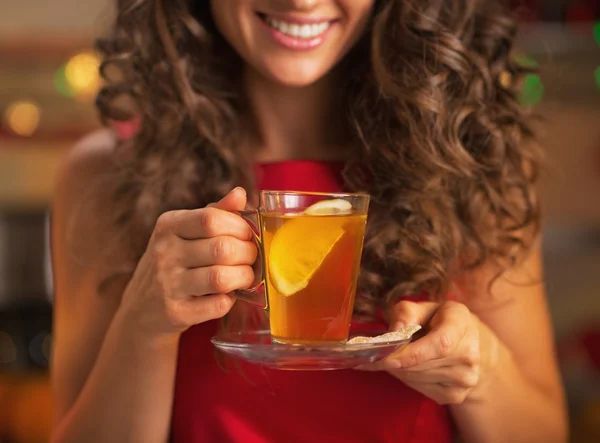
(310,250)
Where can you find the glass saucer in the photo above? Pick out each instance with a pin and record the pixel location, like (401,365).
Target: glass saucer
(256,347)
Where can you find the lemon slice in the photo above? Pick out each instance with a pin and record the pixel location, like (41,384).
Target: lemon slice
(298,249)
(330,207)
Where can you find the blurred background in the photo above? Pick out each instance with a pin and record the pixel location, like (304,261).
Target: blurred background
(48,78)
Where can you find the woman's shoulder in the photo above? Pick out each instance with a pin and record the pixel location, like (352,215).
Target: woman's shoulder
(84,173)
(87,162)
(83,202)
(89,155)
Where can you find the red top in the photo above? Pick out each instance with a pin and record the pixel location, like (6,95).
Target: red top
(264,405)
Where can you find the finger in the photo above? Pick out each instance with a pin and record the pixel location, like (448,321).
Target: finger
(201,309)
(211,221)
(438,343)
(449,326)
(462,376)
(407,313)
(234,201)
(393,363)
(441,394)
(216,279)
(429,364)
(222,250)
(207,223)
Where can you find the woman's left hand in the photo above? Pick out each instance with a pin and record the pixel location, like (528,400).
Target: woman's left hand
(452,361)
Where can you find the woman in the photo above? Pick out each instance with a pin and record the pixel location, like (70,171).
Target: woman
(410,101)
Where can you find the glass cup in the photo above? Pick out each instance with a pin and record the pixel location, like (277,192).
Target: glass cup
(310,246)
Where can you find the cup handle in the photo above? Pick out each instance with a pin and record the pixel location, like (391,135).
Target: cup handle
(257,294)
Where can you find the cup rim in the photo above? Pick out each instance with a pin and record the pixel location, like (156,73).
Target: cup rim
(318,194)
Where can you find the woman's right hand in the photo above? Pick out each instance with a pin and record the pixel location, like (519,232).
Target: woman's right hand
(193,260)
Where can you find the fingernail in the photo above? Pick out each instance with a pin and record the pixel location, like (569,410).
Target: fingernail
(394,364)
(238,188)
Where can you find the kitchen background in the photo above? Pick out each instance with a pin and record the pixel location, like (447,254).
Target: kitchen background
(48,77)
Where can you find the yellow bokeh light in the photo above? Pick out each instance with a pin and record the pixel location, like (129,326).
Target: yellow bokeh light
(23,118)
(505,79)
(81,73)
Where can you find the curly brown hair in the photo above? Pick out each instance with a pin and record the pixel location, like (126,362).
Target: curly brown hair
(446,152)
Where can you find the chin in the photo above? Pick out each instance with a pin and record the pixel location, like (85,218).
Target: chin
(297,76)
(293,81)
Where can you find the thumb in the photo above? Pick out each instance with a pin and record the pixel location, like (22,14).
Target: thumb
(234,201)
(407,313)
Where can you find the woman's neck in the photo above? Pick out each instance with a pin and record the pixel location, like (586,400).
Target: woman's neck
(287,123)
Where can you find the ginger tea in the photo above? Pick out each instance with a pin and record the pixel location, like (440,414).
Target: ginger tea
(312,261)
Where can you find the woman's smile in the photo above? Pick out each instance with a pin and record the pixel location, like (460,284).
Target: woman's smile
(297,33)
(292,43)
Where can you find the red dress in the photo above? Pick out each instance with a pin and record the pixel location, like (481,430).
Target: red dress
(263,405)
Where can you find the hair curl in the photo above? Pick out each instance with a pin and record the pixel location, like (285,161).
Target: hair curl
(447,154)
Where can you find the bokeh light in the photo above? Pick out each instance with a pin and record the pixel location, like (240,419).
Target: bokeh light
(597,32)
(597,75)
(505,79)
(23,117)
(61,84)
(533,90)
(81,74)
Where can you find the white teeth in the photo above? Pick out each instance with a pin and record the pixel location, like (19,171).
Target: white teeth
(298,31)
(305,31)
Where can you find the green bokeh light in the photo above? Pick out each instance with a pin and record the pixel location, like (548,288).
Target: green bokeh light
(597,32)
(597,75)
(533,90)
(61,84)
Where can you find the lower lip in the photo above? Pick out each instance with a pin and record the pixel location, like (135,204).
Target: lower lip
(294,43)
